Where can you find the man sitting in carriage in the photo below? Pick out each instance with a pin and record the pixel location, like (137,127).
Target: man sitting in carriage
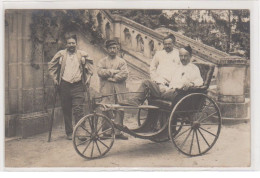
(185,76)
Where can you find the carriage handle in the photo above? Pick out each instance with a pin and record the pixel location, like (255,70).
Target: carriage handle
(104,96)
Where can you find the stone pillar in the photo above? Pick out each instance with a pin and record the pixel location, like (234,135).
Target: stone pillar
(146,47)
(231,82)
(24,83)
(116,30)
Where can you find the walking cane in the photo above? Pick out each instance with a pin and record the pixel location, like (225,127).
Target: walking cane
(52,114)
(88,94)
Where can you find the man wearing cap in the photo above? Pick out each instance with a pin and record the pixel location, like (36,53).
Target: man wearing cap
(112,71)
(70,70)
(185,76)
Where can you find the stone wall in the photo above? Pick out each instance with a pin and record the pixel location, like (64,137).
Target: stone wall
(24,78)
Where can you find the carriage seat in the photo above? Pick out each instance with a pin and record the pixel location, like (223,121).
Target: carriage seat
(206,71)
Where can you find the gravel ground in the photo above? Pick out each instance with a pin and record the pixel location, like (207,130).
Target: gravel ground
(231,150)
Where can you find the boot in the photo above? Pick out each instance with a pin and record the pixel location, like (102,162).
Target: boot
(119,120)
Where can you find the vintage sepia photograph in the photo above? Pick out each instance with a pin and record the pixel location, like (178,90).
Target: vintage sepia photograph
(127,88)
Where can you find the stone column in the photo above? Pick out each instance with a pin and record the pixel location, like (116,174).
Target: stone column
(231,82)
(146,47)
(116,32)
(25,114)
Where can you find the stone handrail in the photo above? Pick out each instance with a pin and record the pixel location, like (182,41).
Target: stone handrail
(201,50)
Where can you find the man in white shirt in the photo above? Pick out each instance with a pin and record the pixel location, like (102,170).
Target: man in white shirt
(70,70)
(161,67)
(183,77)
(186,76)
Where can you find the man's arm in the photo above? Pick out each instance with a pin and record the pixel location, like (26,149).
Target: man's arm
(153,70)
(102,71)
(122,73)
(197,79)
(54,67)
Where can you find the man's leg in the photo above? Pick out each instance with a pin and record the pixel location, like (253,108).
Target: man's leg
(66,105)
(77,93)
(119,119)
(105,125)
(152,87)
(169,95)
(145,87)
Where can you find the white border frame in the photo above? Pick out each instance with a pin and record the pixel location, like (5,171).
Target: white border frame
(127,4)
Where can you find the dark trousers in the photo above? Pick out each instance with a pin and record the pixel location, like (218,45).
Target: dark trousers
(72,100)
(154,92)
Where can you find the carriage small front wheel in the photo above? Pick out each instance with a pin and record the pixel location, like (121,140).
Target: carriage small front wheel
(194,124)
(93,136)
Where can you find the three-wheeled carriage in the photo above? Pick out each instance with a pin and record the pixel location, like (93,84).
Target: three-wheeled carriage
(192,121)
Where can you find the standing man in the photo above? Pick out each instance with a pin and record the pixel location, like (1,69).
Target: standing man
(163,64)
(112,71)
(70,70)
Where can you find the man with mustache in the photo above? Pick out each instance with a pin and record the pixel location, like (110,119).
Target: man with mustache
(186,76)
(183,77)
(161,67)
(70,70)
(112,71)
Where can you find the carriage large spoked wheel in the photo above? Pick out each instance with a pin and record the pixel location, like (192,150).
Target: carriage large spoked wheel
(93,136)
(194,124)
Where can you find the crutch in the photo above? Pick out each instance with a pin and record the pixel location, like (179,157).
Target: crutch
(52,113)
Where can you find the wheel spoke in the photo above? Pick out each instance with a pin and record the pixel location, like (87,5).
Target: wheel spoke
(104,131)
(100,127)
(209,124)
(208,116)
(203,137)
(98,148)
(182,133)
(82,142)
(185,139)
(198,143)
(85,129)
(208,132)
(192,141)
(185,111)
(86,147)
(180,125)
(92,149)
(102,143)
(90,123)
(199,110)
(96,121)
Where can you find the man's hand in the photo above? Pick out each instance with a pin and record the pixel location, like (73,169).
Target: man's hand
(87,83)
(111,79)
(113,72)
(162,88)
(56,83)
(187,86)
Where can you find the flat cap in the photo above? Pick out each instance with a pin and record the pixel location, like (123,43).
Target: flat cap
(110,43)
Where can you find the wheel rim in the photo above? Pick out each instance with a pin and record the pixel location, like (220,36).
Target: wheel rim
(195,130)
(93,136)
